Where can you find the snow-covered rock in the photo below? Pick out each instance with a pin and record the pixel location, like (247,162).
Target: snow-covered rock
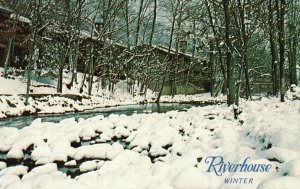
(155,150)
(88,166)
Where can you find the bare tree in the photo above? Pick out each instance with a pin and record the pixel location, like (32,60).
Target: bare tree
(39,9)
(229,62)
(280,8)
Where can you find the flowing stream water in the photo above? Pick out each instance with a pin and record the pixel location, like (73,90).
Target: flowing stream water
(73,171)
(22,121)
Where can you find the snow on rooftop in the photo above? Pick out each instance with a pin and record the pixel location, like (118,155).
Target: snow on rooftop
(4,8)
(20,18)
(88,34)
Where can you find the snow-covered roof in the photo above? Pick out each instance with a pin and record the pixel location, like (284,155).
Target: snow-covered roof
(4,8)
(172,51)
(13,15)
(87,34)
(20,18)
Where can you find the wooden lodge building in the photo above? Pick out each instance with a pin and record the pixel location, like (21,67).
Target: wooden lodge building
(18,29)
(189,74)
(14,32)
(186,74)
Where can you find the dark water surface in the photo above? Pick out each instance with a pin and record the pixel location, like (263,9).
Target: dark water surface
(20,122)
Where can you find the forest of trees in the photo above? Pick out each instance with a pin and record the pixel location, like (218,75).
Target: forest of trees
(246,42)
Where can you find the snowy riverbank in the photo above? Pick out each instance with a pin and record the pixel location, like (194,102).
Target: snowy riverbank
(156,150)
(44,98)
(14,105)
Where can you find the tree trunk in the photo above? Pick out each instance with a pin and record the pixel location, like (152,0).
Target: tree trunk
(168,58)
(274,50)
(73,60)
(8,55)
(193,57)
(237,97)
(161,89)
(223,71)
(10,48)
(91,69)
(60,80)
(127,19)
(29,66)
(244,53)
(153,23)
(61,70)
(230,67)
(292,43)
(138,25)
(83,79)
(280,18)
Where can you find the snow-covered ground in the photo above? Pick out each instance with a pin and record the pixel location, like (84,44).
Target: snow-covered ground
(45,100)
(169,150)
(176,150)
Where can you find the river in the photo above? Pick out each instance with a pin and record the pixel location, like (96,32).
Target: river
(22,121)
